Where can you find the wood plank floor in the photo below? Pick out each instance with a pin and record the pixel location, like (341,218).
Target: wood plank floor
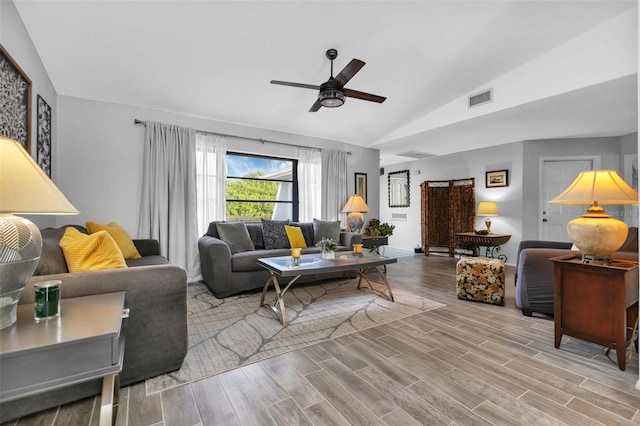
(466,364)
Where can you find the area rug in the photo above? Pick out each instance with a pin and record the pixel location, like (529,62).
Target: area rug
(228,333)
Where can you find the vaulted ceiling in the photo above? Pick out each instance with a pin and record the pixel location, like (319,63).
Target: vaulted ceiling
(557,69)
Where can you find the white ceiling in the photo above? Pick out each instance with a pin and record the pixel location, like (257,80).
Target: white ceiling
(215,59)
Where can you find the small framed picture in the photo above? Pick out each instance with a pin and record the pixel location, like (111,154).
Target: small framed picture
(361,185)
(497,179)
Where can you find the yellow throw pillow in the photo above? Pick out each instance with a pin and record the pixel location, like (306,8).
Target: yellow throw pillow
(90,252)
(120,236)
(296,239)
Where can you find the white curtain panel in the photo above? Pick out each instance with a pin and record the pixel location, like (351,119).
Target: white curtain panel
(310,184)
(334,183)
(168,206)
(211,168)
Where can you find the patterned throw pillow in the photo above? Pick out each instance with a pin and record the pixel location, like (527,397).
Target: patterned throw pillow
(120,236)
(274,235)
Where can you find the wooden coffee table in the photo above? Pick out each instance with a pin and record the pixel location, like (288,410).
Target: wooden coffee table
(314,264)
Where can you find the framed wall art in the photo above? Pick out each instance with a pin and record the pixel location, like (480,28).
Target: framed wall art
(497,179)
(15,101)
(44,135)
(361,185)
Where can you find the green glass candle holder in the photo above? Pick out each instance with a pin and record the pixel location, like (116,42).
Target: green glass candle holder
(47,300)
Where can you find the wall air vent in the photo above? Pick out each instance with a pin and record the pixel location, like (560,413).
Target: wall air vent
(481,98)
(399,217)
(415,154)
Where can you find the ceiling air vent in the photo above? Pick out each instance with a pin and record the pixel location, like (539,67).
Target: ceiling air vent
(480,98)
(415,154)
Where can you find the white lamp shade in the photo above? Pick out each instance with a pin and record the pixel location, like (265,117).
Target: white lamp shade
(597,186)
(487,208)
(355,204)
(24,187)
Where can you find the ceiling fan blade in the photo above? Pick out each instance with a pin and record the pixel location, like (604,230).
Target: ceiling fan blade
(349,71)
(316,106)
(301,85)
(364,96)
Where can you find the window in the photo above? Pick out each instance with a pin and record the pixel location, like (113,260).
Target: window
(261,187)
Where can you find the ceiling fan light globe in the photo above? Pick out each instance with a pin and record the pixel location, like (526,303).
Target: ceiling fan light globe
(331,98)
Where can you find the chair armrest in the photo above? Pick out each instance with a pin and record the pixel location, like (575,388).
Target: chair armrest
(147,247)
(348,239)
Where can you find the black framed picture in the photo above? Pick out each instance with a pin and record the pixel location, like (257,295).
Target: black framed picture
(44,135)
(15,101)
(497,178)
(361,185)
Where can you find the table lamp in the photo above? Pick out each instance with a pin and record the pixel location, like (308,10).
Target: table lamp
(355,207)
(488,209)
(597,235)
(24,188)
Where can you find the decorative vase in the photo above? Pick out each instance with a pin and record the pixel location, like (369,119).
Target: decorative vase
(328,254)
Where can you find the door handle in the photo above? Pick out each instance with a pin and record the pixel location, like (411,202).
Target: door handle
(545,220)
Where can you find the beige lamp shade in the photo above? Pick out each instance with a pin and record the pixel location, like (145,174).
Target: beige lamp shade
(487,208)
(24,187)
(355,204)
(599,187)
(597,235)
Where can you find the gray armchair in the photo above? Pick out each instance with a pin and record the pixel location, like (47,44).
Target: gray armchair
(534,277)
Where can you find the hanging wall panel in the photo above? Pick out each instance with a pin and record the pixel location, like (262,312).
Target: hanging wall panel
(447,207)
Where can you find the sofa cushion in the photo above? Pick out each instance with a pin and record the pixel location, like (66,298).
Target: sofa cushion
(236,236)
(90,252)
(119,235)
(213,229)
(154,259)
(52,258)
(326,229)
(255,232)
(294,234)
(274,235)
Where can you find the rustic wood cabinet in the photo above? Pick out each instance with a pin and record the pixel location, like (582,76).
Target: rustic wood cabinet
(596,303)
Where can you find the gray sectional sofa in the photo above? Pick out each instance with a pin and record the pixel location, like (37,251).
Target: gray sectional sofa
(227,273)
(534,279)
(156,330)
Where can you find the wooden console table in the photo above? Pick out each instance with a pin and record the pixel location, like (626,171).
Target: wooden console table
(596,303)
(492,242)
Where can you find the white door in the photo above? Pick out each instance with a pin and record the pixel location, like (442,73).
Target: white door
(556,176)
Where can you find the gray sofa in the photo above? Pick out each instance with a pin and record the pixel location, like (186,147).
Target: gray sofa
(156,330)
(534,277)
(227,273)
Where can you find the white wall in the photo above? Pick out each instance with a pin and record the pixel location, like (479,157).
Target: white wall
(470,164)
(16,41)
(100,156)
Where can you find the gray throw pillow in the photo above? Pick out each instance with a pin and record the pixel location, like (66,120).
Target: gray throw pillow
(236,236)
(326,229)
(274,235)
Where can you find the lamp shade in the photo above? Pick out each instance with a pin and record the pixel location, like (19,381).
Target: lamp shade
(487,208)
(597,235)
(598,187)
(24,187)
(355,204)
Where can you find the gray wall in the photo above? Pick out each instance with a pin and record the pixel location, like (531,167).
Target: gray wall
(470,164)
(16,41)
(100,156)
(608,149)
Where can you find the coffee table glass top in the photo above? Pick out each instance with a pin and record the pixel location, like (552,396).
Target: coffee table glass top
(314,263)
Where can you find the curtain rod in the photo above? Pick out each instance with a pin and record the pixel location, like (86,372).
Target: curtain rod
(262,141)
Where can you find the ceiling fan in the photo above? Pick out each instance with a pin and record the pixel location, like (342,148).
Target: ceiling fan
(332,92)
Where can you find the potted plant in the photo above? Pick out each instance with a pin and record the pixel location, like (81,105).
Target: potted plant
(328,247)
(377,229)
